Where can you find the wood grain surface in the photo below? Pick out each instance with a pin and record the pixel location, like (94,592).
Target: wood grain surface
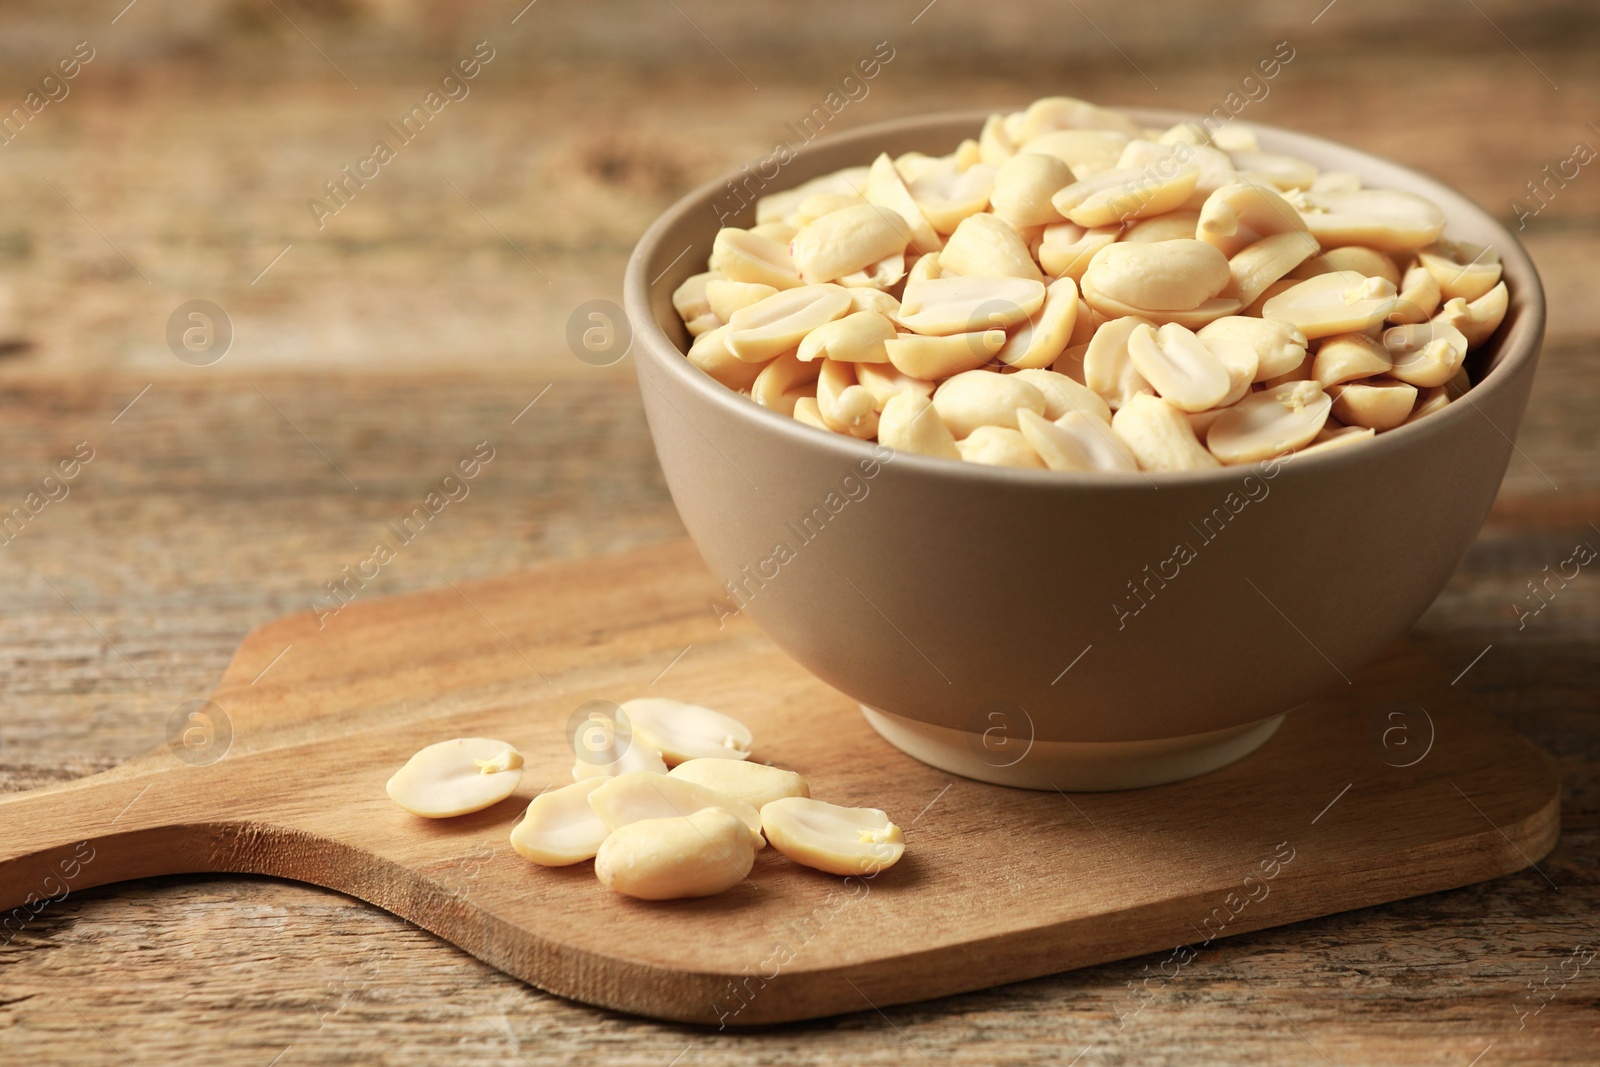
(278,773)
(419,322)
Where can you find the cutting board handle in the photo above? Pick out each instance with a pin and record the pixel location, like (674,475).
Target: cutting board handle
(126,823)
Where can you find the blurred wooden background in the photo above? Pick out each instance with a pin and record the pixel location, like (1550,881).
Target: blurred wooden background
(369,355)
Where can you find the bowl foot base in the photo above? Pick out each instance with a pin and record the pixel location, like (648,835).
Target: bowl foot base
(1070,766)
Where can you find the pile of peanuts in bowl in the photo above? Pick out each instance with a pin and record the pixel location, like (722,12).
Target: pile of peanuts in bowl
(1074,292)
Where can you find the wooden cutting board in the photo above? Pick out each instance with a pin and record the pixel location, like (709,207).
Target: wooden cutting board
(1392,787)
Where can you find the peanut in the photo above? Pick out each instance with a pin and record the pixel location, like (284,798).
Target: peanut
(779,323)
(1257,266)
(887,190)
(1159,436)
(1278,346)
(933,358)
(1418,298)
(687,731)
(1023,187)
(1478,319)
(806,411)
(1339,302)
(456,777)
(1040,340)
(909,424)
(1119,195)
(856,338)
(1269,423)
(755,784)
(742,256)
(986,244)
(689,299)
(844,405)
(961,304)
(710,353)
(560,828)
(1085,152)
(1076,442)
(1066,249)
(627,798)
(1180,367)
(1284,172)
(1335,437)
(1107,367)
(1175,275)
(1367,261)
(1063,394)
(884,380)
(783,381)
(775,207)
(946,195)
(831,838)
(1384,219)
(1051,113)
(1347,356)
(1425,354)
(1378,404)
(1462,270)
(1173,226)
(847,240)
(1237,216)
(977,398)
(724,297)
(696,855)
(999,446)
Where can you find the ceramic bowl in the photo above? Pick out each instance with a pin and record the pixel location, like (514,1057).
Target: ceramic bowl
(1048,629)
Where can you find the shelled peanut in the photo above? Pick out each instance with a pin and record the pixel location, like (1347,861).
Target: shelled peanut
(656,834)
(1074,292)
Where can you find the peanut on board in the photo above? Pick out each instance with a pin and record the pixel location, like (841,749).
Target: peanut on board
(672,857)
(654,834)
(756,784)
(456,777)
(683,732)
(560,828)
(620,757)
(1183,266)
(644,795)
(832,838)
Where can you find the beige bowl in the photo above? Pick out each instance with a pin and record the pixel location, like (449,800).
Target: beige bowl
(1043,629)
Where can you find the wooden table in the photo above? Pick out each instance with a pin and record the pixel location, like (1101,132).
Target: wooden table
(371,354)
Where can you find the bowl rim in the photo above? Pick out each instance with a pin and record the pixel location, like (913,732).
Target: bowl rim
(1519,346)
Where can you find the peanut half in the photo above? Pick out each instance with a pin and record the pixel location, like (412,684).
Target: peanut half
(671,858)
(1180,367)
(687,731)
(999,446)
(832,838)
(982,398)
(756,784)
(560,828)
(639,795)
(1269,423)
(1076,441)
(1159,436)
(456,777)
